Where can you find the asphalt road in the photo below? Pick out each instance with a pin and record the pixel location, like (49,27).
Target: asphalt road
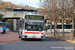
(46,44)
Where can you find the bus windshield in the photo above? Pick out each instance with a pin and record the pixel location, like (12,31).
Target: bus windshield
(49,26)
(34,25)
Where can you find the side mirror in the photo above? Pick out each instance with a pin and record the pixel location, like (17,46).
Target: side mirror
(22,20)
(45,21)
(46,26)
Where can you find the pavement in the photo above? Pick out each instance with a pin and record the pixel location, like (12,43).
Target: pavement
(9,38)
(66,40)
(45,44)
(69,41)
(33,44)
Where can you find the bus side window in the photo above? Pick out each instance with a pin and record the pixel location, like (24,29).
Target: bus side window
(68,26)
(64,26)
(59,26)
(21,25)
(48,26)
(52,26)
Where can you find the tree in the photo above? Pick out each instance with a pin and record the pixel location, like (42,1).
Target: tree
(63,10)
(1,18)
(4,5)
(48,11)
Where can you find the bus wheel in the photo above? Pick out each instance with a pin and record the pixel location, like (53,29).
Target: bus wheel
(22,38)
(19,36)
(3,32)
(40,39)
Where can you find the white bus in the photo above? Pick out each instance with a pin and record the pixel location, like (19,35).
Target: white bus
(32,26)
(4,27)
(67,27)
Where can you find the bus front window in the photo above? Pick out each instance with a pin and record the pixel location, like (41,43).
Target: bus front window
(34,25)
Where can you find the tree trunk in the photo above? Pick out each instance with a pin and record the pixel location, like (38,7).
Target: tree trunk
(72,23)
(55,27)
(72,28)
(63,35)
(51,28)
(73,18)
(63,22)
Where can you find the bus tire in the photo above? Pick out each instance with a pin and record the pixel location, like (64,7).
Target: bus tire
(22,38)
(40,39)
(19,36)
(3,32)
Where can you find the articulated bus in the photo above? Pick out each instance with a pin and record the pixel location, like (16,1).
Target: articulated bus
(67,27)
(4,27)
(32,26)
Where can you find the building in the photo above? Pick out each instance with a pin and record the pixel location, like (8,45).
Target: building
(16,14)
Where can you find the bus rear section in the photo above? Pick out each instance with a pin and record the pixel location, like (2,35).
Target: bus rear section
(33,27)
(33,34)
(4,27)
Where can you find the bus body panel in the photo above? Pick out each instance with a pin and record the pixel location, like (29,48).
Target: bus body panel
(60,30)
(67,28)
(7,30)
(4,27)
(1,29)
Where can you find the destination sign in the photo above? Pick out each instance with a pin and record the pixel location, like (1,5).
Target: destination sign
(34,17)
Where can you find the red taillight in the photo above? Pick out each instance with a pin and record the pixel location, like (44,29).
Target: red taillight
(69,30)
(57,30)
(42,33)
(52,30)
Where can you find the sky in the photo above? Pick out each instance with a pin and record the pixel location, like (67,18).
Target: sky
(33,3)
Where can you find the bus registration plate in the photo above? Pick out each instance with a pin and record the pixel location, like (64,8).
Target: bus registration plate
(33,36)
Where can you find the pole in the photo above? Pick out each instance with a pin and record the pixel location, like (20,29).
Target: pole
(63,22)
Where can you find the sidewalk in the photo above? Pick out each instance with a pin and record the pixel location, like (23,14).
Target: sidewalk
(70,41)
(10,37)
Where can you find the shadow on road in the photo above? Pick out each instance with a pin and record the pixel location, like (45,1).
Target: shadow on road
(14,31)
(46,39)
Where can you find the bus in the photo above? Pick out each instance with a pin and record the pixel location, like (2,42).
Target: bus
(67,27)
(32,26)
(4,27)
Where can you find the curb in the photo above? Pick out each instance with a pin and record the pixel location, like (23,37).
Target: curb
(69,41)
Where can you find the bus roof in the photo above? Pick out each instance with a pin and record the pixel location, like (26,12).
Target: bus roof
(35,14)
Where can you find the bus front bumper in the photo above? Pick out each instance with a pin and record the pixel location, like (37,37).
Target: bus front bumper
(35,37)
